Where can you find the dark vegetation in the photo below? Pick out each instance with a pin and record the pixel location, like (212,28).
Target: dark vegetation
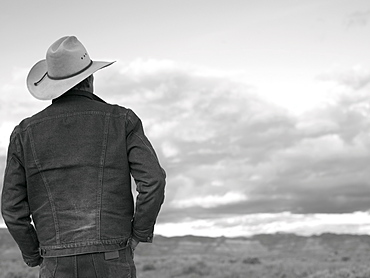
(260,256)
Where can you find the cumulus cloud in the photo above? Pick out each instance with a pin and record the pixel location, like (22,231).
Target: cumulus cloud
(231,154)
(218,139)
(355,78)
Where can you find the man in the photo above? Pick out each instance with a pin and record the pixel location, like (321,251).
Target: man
(69,166)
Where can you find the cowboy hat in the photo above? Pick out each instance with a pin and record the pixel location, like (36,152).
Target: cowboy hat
(67,64)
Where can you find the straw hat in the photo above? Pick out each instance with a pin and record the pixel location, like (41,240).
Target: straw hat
(67,63)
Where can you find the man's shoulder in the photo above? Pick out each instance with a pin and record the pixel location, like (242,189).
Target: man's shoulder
(28,120)
(119,109)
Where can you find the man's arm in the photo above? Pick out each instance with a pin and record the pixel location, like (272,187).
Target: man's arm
(15,208)
(149,178)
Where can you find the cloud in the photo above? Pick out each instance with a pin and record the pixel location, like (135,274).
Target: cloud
(229,150)
(355,78)
(358,19)
(6,129)
(269,223)
(211,200)
(16,103)
(230,153)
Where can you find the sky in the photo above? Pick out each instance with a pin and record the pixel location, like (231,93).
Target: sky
(258,109)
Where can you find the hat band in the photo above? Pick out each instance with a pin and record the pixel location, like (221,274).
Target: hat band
(71,75)
(64,77)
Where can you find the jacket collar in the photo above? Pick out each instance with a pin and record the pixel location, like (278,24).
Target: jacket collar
(79,93)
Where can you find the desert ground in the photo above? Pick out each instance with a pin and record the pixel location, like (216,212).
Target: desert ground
(259,256)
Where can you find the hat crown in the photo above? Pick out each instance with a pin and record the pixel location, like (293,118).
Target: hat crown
(67,64)
(66,57)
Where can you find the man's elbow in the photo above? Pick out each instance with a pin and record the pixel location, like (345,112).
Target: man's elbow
(160,186)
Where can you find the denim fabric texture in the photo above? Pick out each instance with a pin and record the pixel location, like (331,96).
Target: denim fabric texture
(68,167)
(94,265)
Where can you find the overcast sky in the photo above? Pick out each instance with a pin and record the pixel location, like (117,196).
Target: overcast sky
(258,109)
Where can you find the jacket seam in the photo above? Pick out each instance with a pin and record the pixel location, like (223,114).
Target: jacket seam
(141,139)
(48,118)
(110,241)
(17,148)
(8,164)
(50,197)
(101,174)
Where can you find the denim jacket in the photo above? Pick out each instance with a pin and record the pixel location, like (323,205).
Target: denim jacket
(68,167)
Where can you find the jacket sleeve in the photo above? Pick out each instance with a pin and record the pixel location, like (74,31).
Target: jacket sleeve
(149,178)
(15,208)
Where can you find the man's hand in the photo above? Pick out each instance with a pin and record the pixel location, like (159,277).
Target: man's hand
(133,243)
(35,263)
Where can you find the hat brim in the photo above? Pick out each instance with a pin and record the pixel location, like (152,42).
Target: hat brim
(48,88)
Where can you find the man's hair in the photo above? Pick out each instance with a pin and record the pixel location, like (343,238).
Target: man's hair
(84,85)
